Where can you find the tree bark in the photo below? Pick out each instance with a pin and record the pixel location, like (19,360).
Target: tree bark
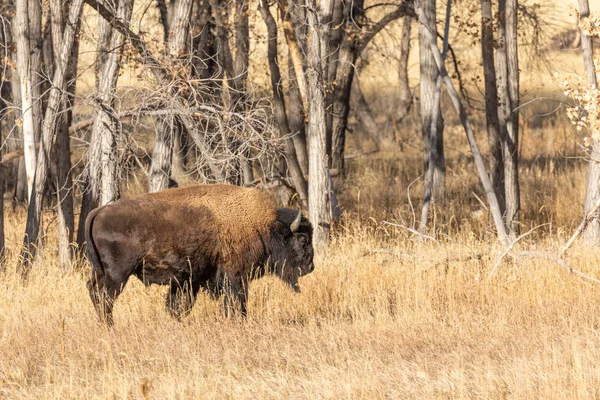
(294,28)
(280,112)
(592,187)
(343,78)
(429,74)
(433,138)
(26,73)
(18,167)
(34,214)
(511,172)
(318,48)
(103,160)
(4,92)
(66,219)
(491,102)
(297,118)
(404,94)
(162,154)
(339,23)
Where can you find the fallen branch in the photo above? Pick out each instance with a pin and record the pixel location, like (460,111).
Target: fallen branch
(560,262)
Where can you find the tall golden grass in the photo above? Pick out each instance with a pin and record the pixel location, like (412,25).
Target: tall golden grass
(384,315)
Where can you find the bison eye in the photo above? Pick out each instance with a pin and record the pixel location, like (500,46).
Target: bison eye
(302,239)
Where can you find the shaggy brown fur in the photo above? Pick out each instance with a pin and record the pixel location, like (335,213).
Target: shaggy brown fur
(189,236)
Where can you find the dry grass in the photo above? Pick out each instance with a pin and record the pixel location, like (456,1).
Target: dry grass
(414,322)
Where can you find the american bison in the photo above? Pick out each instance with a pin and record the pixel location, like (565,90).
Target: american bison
(192,237)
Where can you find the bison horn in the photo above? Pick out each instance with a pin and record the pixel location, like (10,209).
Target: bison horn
(296,224)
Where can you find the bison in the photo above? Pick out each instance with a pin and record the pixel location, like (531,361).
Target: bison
(192,237)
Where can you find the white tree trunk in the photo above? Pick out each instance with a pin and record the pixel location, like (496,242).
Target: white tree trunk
(25,74)
(592,187)
(318,173)
(167,129)
(103,157)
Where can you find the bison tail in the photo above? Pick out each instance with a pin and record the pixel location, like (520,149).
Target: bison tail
(92,250)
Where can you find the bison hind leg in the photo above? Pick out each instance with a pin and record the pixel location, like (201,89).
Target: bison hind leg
(103,293)
(181,298)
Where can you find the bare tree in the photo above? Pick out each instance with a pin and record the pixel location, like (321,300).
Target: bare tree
(318,20)
(436,116)
(508,87)
(512,187)
(168,128)
(491,102)
(592,187)
(25,66)
(343,79)
(64,184)
(34,214)
(429,75)
(404,94)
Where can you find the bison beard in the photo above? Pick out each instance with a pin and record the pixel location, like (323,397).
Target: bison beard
(216,237)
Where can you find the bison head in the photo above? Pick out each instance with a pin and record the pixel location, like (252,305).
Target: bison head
(292,248)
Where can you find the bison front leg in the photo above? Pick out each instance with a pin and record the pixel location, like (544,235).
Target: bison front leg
(236,295)
(181,298)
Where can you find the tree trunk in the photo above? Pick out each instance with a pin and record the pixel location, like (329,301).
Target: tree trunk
(429,74)
(592,187)
(26,73)
(491,103)
(433,138)
(506,75)
(240,75)
(368,130)
(337,34)
(293,16)
(404,94)
(104,158)
(20,175)
(66,220)
(4,92)
(512,190)
(34,214)
(318,48)
(280,112)
(162,155)
(297,118)
(343,78)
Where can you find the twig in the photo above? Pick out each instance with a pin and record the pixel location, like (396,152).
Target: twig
(412,231)
(480,201)
(510,247)
(586,220)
